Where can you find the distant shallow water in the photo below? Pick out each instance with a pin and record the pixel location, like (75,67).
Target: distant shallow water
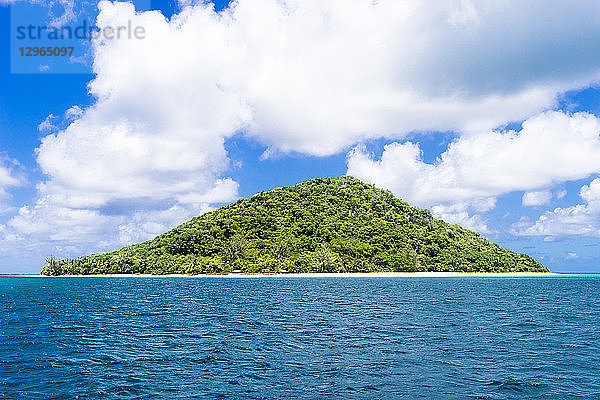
(171,338)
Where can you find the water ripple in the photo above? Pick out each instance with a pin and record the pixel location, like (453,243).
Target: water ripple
(172,338)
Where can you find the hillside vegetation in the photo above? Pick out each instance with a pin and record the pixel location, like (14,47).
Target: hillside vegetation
(321,225)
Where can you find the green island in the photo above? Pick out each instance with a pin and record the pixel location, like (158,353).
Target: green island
(332,225)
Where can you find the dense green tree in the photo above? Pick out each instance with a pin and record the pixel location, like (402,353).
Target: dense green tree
(321,225)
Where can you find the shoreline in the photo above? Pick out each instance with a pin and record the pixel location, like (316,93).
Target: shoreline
(314,275)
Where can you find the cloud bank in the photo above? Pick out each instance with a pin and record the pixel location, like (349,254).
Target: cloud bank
(316,78)
(578,220)
(550,148)
(536,198)
(9,177)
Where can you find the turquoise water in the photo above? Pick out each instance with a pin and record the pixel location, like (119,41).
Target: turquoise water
(307,338)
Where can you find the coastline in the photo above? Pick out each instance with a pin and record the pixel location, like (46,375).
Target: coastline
(316,275)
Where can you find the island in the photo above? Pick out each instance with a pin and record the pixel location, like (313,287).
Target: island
(324,225)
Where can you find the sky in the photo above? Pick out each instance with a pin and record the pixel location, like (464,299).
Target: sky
(485,112)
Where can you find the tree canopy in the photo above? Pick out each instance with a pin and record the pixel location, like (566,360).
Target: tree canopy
(321,225)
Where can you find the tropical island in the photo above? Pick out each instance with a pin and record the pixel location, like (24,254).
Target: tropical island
(324,225)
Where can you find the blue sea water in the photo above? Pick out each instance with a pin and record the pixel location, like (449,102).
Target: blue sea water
(305,338)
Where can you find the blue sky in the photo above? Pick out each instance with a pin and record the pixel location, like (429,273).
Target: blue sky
(467,109)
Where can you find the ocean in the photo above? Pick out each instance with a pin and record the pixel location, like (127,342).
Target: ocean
(300,338)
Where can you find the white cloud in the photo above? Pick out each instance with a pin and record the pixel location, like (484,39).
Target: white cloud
(536,198)
(6,176)
(9,175)
(61,12)
(145,157)
(47,125)
(465,14)
(550,148)
(187,3)
(73,113)
(578,220)
(561,194)
(8,179)
(47,228)
(315,77)
(323,75)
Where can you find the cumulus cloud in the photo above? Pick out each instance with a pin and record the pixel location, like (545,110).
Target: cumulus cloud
(561,194)
(9,176)
(145,157)
(578,220)
(312,77)
(55,226)
(324,75)
(536,198)
(550,148)
(47,125)
(73,113)
(316,77)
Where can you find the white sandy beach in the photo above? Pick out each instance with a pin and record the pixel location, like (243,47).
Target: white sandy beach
(321,275)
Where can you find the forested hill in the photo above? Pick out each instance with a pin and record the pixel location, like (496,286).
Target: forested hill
(321,225)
